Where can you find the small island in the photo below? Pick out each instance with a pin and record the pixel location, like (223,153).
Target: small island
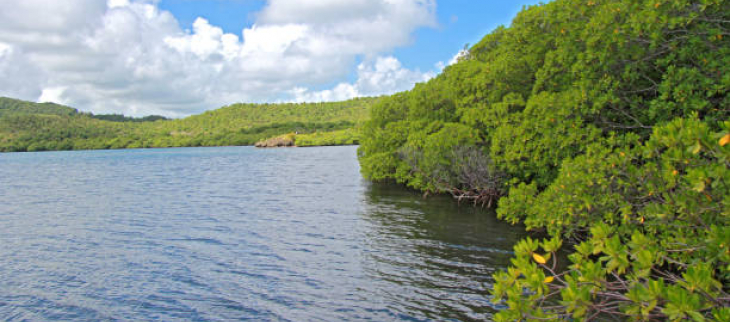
(286,140)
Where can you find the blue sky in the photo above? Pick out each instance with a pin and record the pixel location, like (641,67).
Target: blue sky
(183,57)
(460,22)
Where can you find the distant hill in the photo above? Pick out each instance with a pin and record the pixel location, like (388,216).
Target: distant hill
(10,106)
(27,126)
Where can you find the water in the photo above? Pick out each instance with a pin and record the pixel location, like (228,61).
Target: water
(235,233)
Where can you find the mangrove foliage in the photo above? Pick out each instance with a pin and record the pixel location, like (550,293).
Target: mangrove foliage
(602,124)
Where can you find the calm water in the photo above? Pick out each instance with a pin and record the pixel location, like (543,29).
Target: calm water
(218,234)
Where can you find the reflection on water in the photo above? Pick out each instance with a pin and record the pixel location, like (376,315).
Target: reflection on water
(432,258)
(220,234)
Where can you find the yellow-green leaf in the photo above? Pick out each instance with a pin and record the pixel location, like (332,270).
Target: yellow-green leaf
(699,186)
(696,148)
(724,140)
(538,258)
(548,279)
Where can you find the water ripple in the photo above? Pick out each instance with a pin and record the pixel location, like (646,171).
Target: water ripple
(220,234)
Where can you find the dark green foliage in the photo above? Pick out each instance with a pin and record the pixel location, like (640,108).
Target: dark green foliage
(122,118)
(604,122)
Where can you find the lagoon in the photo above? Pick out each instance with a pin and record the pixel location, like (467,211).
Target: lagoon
(235,233)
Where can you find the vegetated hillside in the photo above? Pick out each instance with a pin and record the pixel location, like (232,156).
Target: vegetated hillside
(10,106)
(353,111)
(245,124)
(43,127)
(602,123)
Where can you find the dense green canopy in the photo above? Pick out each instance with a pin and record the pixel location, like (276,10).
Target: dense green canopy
(605,124)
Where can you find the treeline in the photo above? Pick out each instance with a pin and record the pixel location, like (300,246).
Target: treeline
(349,136)
(122,118)
(603,124)
(34,127)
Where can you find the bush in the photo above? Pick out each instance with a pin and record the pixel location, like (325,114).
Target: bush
(650,232)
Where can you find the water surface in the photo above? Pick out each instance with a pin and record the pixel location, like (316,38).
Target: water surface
(235,233)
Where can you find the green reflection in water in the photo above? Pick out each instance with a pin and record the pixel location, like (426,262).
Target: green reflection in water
(431,258)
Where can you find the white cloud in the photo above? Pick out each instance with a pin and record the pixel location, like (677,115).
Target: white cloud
(52,94)
(4,49)
(20,77)
(206,41)
(319,11)
(385,75)
(117,3)
(354,26)
(131,57)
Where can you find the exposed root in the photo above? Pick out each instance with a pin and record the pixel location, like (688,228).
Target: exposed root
(484,198)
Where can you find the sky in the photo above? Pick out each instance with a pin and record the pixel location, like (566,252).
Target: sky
(181,57)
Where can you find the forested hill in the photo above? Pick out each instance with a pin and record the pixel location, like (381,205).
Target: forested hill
(604,124)
(10,106)
(27,126)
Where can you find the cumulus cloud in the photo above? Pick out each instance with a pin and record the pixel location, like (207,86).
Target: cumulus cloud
(206,40)
(128,56)
(20,77)
(355,26)
(385,75)
(52,94)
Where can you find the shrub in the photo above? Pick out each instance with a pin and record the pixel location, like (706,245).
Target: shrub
(649,226)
